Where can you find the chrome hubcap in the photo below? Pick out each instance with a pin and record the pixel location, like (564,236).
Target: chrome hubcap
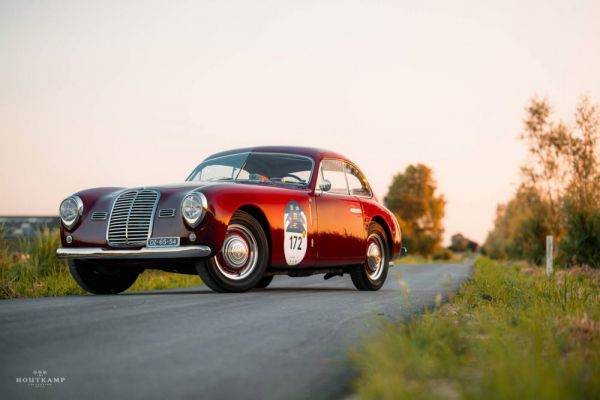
(375,257)
(239,254)
(235,251)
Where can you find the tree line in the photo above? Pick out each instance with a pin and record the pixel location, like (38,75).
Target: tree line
(558,195)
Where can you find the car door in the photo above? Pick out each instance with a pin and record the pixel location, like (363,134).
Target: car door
(340,223)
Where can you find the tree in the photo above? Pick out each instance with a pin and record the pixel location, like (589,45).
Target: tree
(520,228)
(559,193)
(412,198)
(581,202)
(546,170)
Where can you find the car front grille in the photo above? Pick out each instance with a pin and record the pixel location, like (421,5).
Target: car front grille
(131,218)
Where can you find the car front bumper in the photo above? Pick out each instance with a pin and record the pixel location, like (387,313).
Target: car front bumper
(145,253)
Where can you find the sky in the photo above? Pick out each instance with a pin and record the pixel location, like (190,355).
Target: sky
(132,93)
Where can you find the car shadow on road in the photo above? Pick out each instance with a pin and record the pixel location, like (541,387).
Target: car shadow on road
(253,291)
(304,289)
(165,293)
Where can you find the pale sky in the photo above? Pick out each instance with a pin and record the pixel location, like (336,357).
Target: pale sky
(126,93)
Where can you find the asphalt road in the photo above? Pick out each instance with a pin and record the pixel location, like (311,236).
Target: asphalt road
(287,342)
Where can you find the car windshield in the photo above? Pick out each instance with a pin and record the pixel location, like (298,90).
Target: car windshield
(256,167)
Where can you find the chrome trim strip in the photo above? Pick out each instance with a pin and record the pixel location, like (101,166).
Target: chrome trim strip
(144,253)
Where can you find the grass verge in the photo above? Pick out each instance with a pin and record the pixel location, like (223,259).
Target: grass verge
(31,269)
(448,258)
(510,332)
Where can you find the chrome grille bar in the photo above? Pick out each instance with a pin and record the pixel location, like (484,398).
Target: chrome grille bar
(166,213)
(99,216)
(131,218)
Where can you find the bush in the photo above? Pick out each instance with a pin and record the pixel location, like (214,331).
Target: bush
(461,244)
(581,243)
(444,255)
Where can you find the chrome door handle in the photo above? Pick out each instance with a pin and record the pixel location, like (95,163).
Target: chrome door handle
(355,210)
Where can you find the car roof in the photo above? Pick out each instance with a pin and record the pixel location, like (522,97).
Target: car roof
(315,153)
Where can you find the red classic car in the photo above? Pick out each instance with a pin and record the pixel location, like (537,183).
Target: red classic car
(241,217)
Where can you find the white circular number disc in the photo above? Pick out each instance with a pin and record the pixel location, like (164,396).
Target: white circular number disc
(295,233)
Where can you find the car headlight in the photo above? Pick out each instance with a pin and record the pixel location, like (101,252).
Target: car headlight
(193,208)
(70,211)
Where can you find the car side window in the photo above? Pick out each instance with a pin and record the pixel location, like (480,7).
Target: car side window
(356,182)
(333,172)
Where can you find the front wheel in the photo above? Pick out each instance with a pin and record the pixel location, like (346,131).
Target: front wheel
(101,279)
(264,282)
(372,273)
(242,261)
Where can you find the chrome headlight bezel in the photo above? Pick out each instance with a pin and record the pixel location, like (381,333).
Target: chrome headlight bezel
(193,208)
(70,216)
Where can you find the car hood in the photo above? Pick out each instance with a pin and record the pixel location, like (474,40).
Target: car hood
(163,189)
(207,187)
(102,194)
(182,187)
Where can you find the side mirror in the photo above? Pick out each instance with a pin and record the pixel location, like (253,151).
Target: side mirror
(325,185)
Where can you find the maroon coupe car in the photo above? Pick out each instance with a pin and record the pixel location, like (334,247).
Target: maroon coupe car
(241,217)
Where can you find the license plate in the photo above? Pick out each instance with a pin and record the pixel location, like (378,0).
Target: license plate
(163,242)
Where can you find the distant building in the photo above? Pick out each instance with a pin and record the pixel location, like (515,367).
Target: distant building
(15,227)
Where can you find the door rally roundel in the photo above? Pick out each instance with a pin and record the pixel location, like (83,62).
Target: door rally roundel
(295,233)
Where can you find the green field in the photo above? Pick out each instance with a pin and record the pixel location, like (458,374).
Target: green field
(511,333)
(31,269)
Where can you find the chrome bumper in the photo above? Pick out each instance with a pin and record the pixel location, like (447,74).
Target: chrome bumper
(403,253)
(145,253)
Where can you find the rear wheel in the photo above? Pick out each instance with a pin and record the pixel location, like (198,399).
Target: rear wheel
(101,279)
(241,263)
(372,273)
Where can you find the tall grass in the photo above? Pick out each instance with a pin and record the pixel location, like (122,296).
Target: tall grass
(509,334)
(34,271)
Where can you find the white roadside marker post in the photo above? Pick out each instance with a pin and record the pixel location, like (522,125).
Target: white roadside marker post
(549,268)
